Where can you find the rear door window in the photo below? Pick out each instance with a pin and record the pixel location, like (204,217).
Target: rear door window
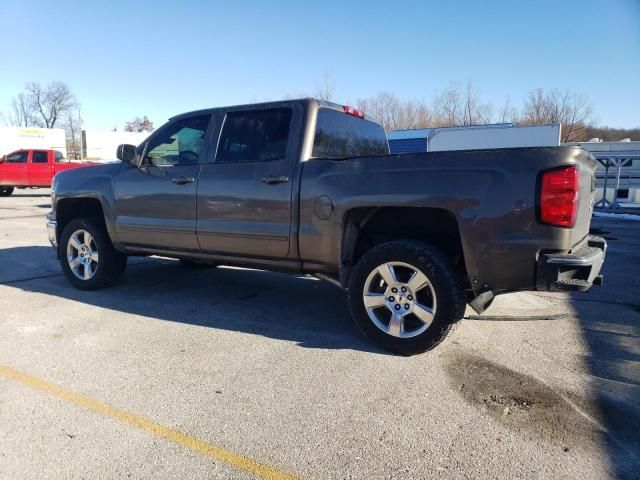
(39,157)
(339,135)
(254,136)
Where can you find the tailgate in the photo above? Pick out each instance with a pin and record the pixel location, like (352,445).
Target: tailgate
(587,165)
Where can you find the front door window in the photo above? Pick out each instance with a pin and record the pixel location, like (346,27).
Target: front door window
(18,157)
(179,143)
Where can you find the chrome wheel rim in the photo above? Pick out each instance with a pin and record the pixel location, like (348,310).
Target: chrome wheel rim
(82,254)
(399,299)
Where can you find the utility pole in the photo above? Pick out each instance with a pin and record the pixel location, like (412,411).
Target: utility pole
(80,132)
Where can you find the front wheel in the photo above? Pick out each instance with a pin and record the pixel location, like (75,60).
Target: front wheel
(87,256)
(6,191)
(405,295)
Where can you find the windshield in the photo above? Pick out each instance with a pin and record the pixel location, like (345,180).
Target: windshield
(339,135)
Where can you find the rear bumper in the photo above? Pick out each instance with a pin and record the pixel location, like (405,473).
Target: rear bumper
(572,271)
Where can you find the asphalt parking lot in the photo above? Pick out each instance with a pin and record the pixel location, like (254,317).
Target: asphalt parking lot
(230,373)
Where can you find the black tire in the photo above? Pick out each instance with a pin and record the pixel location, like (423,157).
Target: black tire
(6,191)
(111,264)
(195,264)
(445,281)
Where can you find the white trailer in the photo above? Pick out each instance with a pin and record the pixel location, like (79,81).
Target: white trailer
(16,138)
(493,136)
(102,145)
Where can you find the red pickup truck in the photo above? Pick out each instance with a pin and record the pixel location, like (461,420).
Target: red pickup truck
(31,169)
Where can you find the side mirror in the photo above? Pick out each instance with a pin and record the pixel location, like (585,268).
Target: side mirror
(3,158)
(127,153)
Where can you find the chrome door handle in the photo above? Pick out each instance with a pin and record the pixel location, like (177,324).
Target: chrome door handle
(274,180)
(183,180)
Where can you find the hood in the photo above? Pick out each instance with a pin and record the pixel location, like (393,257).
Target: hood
(85,180)
(92,170)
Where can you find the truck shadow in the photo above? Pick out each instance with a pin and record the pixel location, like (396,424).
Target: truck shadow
(609,319)
(303,310)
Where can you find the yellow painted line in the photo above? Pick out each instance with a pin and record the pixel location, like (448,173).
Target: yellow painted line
(217,453)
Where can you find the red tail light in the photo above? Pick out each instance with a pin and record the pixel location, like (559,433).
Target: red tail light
(559,196)
(353,111)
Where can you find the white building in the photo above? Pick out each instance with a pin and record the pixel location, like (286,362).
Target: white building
(102,145)
(16,138)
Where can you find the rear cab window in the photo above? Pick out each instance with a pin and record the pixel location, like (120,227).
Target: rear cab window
(340,135)
(254,136)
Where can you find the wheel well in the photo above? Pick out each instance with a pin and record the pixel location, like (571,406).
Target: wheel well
(365,228)
(67,210)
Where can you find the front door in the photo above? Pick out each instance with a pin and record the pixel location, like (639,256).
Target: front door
(245,194)
(156,202)
(40,169)
(14,169)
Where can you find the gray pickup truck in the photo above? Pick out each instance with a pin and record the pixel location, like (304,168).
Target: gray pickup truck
(307,186)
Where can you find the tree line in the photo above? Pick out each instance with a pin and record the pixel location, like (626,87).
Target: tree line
(462,105)
(55,106)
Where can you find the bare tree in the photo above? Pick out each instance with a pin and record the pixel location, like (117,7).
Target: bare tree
(507,113)
(572,111)
(447,106)
(326,89)
(384,107)
(475,112)
(395,114)
(21,114)
(73,129)
(49,104)
(608,134)
(139,125)
(458,106)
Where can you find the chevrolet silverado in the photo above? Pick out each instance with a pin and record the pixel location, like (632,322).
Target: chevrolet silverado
(308,186)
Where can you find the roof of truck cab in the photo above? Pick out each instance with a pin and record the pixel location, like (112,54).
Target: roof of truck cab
(247,105)
(273,104)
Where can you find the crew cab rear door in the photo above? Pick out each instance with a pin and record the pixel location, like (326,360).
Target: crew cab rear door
(156,202)
(40,168)
(245,192)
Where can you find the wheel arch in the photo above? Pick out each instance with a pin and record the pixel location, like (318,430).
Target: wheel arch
(366,227)
(68,209)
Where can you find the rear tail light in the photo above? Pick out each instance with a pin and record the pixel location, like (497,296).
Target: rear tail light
(559,196)
(353,111)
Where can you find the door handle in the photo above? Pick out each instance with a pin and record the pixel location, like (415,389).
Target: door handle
(274,180)
(183,180)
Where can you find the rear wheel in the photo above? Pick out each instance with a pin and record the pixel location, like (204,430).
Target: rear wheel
(87,256)
(6,191)
(405,296)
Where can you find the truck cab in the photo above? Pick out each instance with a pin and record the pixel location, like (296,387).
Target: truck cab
(31,168)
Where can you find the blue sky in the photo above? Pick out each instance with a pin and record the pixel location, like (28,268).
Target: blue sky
(124,59)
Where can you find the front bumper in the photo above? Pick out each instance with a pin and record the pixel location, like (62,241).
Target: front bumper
(572,271)
(52,226)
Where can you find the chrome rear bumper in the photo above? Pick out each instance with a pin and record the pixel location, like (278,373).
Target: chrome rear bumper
(573,271)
